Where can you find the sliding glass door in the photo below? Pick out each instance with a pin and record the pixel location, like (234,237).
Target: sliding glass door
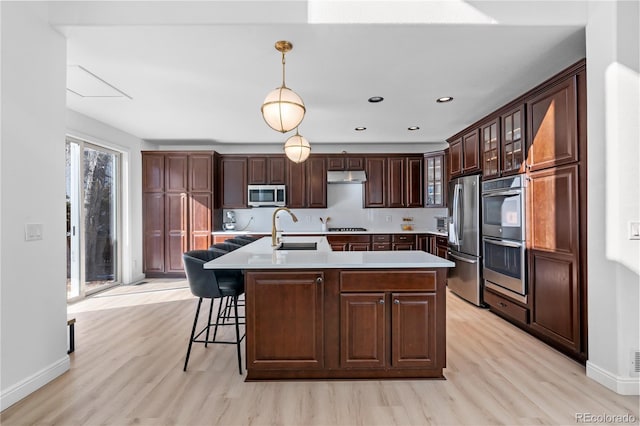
(93,212)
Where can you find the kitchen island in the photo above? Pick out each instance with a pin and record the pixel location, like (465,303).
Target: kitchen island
(320,314)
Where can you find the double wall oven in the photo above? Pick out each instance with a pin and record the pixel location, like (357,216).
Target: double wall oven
(503,235)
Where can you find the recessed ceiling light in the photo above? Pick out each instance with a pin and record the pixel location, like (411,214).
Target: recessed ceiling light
(444,99)
(413,128)
(376,99)
(360,129)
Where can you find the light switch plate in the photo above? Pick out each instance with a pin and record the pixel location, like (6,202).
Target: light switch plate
(634,230)
(32,231)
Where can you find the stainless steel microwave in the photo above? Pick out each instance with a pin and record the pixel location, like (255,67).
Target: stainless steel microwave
(266,195)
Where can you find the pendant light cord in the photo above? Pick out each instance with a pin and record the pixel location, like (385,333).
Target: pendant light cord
(283,62)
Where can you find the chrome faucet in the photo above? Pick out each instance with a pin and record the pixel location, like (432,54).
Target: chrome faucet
(274,231)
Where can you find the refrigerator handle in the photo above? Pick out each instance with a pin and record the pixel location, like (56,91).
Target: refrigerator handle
(453,232)
(460,225)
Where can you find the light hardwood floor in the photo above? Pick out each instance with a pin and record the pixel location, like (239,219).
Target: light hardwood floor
(131,343)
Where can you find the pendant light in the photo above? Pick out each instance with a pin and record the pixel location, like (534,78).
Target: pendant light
(297,148)
(282,109)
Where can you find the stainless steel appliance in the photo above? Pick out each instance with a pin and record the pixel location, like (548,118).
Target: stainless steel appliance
(266,195)
(229,221)
(465,279)
(503,208)
(349,229)
(442,223)
(503,236)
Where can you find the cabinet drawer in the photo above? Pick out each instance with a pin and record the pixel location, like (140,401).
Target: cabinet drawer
(381,280)
(506,306)
(380,246)
(381,238)
(441,241)
(404,238)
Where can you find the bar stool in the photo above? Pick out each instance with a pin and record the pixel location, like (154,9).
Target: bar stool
(213,284)
(238,241)
(247,238)
(228,247)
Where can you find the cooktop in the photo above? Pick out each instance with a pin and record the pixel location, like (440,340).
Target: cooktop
(347,229)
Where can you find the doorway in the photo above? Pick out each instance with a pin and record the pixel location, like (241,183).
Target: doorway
(93,188)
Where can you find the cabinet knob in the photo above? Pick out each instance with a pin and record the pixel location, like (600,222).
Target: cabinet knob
(381,301)
(502,304)
(396,301)
(319,280)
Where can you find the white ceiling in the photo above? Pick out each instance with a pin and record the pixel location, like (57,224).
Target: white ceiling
(199,71)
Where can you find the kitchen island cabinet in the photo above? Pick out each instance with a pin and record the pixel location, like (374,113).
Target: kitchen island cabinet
(319,314)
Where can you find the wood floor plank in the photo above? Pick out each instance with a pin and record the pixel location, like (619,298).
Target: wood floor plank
(131,342)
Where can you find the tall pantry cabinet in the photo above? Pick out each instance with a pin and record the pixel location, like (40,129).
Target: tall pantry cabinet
(177,206)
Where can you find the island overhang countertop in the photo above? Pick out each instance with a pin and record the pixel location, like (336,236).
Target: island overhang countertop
(261,255)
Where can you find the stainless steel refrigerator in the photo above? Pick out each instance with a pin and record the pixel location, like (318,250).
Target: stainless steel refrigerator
(465,279)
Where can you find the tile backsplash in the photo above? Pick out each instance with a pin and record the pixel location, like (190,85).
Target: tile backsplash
(344,208)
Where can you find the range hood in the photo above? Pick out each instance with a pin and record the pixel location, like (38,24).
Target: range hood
(350,176)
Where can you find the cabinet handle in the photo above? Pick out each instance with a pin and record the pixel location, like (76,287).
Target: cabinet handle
(319,280)
(502,304)
(396,301)
(381,301)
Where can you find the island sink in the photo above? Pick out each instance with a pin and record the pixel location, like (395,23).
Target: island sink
(298,246)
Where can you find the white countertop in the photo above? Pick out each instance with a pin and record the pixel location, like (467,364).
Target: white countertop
(374,231)
(260,255)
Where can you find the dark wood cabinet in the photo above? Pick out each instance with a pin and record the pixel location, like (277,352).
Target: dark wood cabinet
(178,208)
(362,330)
(361,242)
(413,330)
(441,247)
(285,320)
(414,187)
(233,179)
(375,194)
(343,162)
(513,140)
(553,226)
(403,242)
(435,179)
(470,151)
(553,126)
(316,170)
(455,157)
(266,170)
(490,143)
(395,182)
(296,185)
(424,242)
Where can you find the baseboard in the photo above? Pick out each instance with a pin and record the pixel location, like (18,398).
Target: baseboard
(15,393)
(620,385)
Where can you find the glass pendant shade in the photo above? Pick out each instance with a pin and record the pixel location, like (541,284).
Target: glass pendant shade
(297,148)
(283,110)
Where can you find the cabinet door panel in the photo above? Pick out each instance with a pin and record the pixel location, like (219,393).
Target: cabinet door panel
(552,125)
(200,205)
(317,183)
(285,319)
(455,158)
(234,182)
(396,182)
(435,180)
(362,325)
(413,330)
(176,231)
(490,149)
(176,168)
(513,141)
(470,151)
(414,182)
(258,171)
(153,210)
(374,187)
(297,185)
(152,172)
(277,171)
(200,172)
(355,163)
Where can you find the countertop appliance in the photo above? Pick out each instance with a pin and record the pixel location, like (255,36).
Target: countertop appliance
(442,223)
(503,236)
(266,195)
(229,223)
(465,279)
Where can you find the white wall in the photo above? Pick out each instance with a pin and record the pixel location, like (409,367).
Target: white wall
(88,129)
(33,309)
(613,97)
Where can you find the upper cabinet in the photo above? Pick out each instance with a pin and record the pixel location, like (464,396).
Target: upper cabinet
(464,157)
(394,181)
(513,144)
(490,149)
(307,183)
(434,179)
(266,170)
(233,180)
(553,121)
(344,162)
(455,157)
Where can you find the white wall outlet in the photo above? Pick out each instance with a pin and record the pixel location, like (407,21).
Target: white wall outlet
(387,218)
(634,230)
(32,231)
(308,219)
